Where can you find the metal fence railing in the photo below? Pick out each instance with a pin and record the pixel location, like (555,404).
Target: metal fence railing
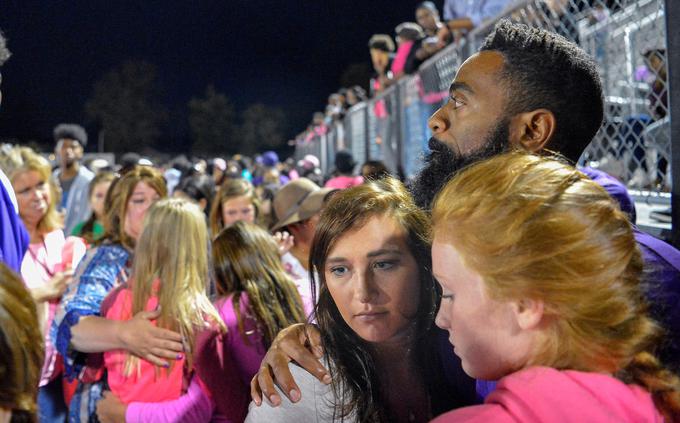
(627,38)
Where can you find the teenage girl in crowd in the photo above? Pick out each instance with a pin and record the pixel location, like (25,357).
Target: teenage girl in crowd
(257,299)
(78,328)
(47,267)
(170,273)
(541,280)
(235,200)
(375,311)
(92,229)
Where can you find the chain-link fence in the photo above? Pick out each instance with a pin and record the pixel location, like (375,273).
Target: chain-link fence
(627,39)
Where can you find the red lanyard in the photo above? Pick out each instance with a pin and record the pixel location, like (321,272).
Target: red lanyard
(42,264)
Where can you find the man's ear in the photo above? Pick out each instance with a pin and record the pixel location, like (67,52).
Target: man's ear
(528,313)
(532,131)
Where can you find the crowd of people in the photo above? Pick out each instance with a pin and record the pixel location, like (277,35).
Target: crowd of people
(503,284)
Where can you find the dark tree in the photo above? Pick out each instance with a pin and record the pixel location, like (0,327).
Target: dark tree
(125,103)
(263,128)
(211,121)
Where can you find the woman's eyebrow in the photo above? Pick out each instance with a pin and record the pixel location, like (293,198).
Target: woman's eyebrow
(382,251)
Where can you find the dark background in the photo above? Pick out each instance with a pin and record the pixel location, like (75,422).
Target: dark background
(289,54)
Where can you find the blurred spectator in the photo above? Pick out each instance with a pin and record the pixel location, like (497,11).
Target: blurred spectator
(335,110)
(658,96)
(381,48)
(92,229)
(216,168)
(309,167)
(374,169)
(297,207)
(14,238)
(355,95)
(198,188)
(47,268)
(437,35)
(246,164)
(73,178)
(408,33)
(129,160)
(461,16)
(268,160)
(235,200)
(21,350)
(344,167)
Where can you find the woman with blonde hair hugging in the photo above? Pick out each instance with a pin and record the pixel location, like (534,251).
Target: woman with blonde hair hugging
(541,280)
(79,330)
(170,273)
(256,300)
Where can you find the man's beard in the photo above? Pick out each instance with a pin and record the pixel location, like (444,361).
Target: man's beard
(441,163)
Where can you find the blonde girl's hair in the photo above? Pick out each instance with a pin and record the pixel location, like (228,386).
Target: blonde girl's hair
(173,249)
(231,188)
(535,227)
(16,160)
(21,348)
(117,198)
(246,259)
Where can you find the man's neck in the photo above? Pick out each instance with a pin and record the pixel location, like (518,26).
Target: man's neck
(301,252)
(69,172)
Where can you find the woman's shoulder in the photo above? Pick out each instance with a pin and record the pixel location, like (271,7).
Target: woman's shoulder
(315,405)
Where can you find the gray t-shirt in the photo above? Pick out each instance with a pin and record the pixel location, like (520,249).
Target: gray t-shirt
(315,406)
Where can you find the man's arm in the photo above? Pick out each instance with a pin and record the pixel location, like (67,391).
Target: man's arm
(300,343)
(137,335)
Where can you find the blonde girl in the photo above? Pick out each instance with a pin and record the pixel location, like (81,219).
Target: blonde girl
(541,279)
(170,273)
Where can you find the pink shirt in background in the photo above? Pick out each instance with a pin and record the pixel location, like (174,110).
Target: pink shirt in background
(342,182)
(400,57)
(42,261)
(148,384)
(543,394)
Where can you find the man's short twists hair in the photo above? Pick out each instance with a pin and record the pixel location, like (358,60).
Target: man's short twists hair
(545,70)
(4,51)
(70,131)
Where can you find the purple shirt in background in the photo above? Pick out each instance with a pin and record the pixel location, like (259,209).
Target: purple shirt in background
(13,236)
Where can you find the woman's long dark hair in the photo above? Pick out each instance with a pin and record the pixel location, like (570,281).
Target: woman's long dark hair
(356,385)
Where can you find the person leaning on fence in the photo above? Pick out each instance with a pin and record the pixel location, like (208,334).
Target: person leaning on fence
(436,37)
(511,95)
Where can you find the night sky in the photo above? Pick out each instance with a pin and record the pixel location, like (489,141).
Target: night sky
(288,54)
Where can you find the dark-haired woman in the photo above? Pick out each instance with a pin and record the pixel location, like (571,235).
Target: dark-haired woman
(375,310)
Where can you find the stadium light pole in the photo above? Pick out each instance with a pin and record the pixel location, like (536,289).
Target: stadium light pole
(672,12)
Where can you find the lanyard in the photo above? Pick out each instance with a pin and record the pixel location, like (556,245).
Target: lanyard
(42,263)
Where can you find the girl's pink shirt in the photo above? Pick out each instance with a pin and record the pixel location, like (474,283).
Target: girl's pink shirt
(149,384)
(544,394)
